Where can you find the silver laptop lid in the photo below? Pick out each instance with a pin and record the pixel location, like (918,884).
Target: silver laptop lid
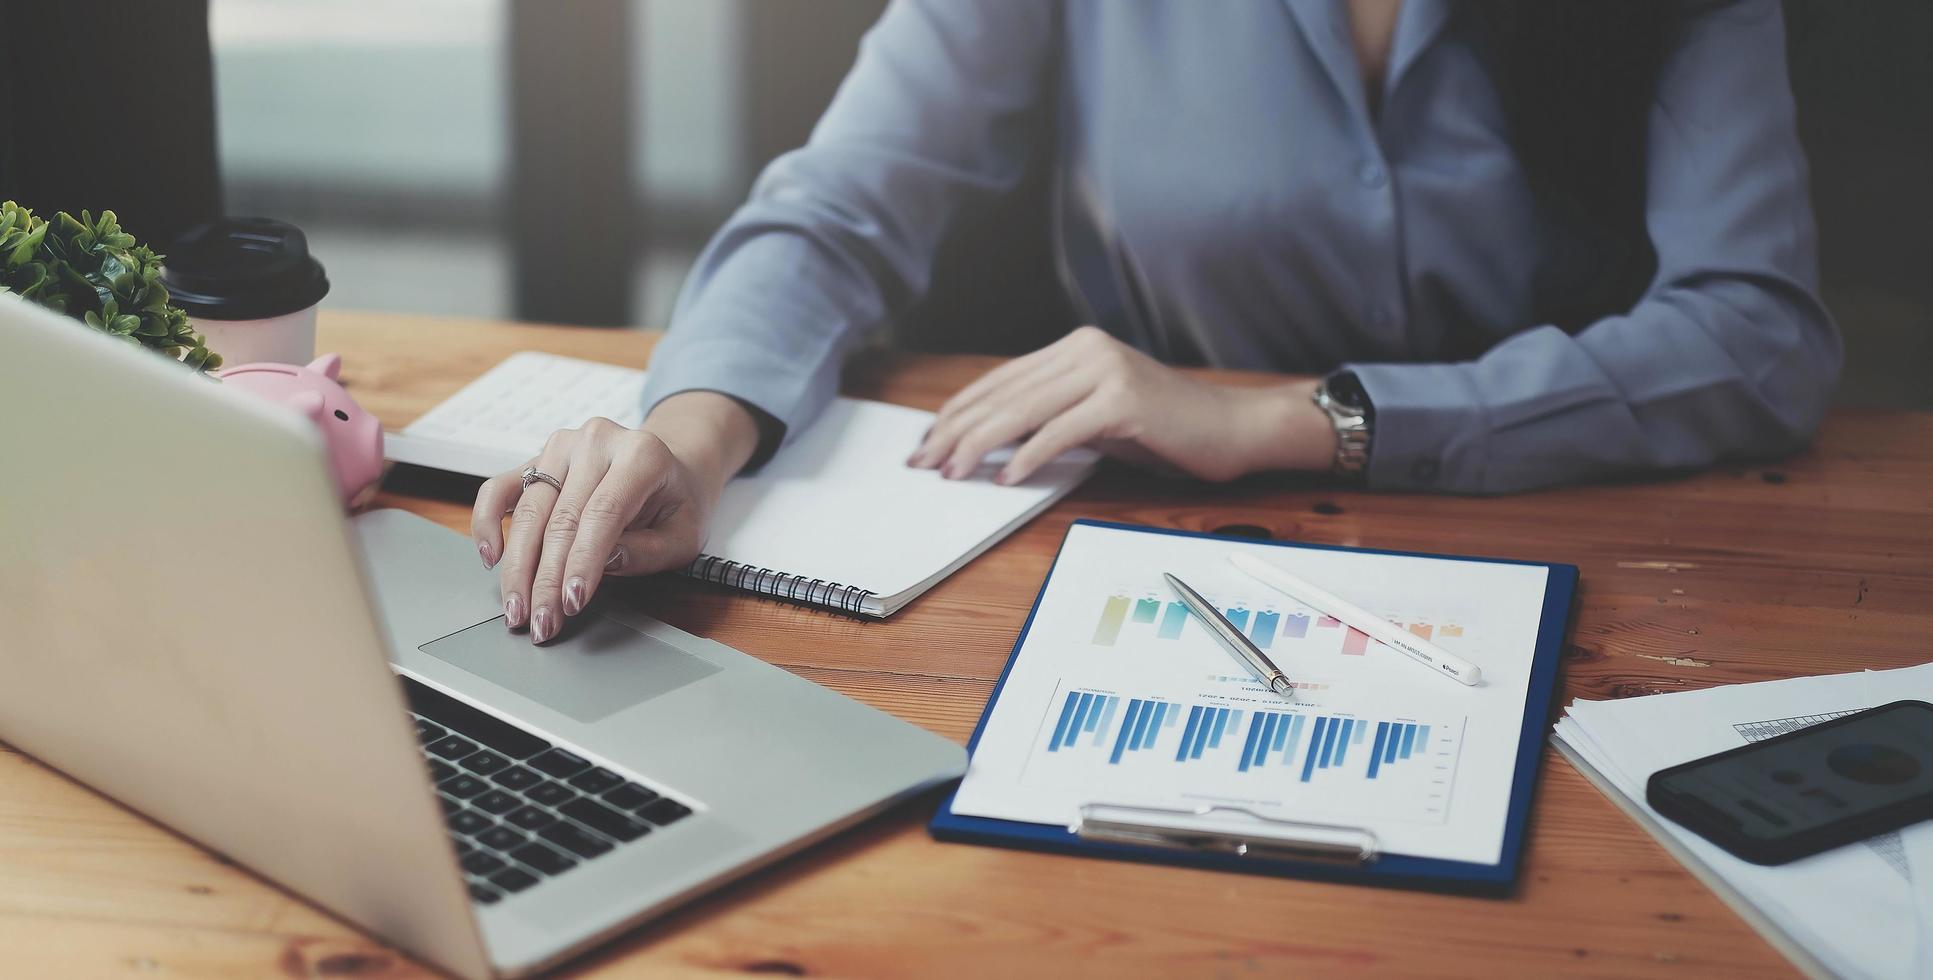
(188,632)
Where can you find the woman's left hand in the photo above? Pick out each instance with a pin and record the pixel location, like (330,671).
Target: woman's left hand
(1091,389)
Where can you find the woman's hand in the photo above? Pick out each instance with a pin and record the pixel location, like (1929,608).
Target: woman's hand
(635,501)
(1091,389)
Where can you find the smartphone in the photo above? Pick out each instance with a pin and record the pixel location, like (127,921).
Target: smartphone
(1807,791)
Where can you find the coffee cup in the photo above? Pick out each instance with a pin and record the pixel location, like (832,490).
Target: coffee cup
(250,287)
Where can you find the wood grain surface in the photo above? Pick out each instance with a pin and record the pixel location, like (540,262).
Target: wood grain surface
(1818,563)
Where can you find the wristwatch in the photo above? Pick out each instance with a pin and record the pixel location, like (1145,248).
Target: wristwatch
(1342,398)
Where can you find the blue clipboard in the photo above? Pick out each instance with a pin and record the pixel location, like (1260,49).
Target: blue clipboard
(1394,870)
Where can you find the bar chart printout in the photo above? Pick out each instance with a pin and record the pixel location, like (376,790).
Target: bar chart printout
(1168,620)
(1249,749)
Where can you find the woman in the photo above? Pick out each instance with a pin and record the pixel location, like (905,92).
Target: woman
(1493,246)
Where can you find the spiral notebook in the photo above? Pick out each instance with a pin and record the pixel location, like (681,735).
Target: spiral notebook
(835,519)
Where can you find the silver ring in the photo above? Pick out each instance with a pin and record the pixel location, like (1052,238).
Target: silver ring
(534,475)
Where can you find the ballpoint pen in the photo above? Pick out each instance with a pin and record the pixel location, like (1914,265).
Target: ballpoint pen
(1248,653)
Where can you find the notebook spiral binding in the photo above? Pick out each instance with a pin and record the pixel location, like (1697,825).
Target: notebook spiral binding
(779,585)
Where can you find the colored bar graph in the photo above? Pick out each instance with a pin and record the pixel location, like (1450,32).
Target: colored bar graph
(1356,733)
(1239,617)
(1127,726)
(1107,719)
(1376,749)
(1421,629)
(1355,643)
(1066,714)
(1112,616)
(1450,631)
(1145,610)
(1422,739)
(1409,739)
(1187,743)
(1294,739)
(1171,623)
(1248,747)
(1315,748)
(1328,622)
(1264,632)
(1295,626)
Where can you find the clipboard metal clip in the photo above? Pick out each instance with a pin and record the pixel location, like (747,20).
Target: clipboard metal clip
(1264,837)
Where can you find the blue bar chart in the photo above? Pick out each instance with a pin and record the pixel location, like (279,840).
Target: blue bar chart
(1270,751)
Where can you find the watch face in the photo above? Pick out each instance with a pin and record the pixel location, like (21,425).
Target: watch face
(1347,391)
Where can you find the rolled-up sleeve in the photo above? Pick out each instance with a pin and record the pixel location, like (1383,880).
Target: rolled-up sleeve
(840,235)
(1729,352)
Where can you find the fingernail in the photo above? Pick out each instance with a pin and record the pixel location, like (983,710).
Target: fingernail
(617,559)
(573,596)
(1004,478)
(954,472)
(542,625)
(513,610)
(913,460)
(483,551)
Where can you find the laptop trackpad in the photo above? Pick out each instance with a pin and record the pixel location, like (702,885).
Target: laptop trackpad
(599,666)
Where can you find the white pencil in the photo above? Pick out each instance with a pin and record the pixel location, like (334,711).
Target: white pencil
(1439,660)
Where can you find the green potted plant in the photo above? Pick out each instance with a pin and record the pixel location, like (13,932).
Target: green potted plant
(91,270)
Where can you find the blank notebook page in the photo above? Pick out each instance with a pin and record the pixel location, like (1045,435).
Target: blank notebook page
(836,503)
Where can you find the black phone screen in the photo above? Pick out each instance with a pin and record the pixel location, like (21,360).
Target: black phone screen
(1808,791)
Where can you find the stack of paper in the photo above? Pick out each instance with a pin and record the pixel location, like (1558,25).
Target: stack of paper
(1865,910)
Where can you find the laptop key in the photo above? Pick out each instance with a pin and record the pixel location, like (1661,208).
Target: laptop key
(597,780)
(440,770)
(462,846)
(483,862)
(604,820)
(429,731)
(665,811)
(496,801)
(467,822)
(559,763)
(484,763)
(529,818)
(449,805)
(500,838)
(543,859)
(452,747)
(484,894)
(463,786)
(516,777)
(513,880)
(550,794)
(501,736)
(629,796)
(575,839)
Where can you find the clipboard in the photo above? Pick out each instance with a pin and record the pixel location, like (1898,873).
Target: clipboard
(1254,843)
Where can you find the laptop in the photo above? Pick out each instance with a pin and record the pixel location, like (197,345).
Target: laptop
(195,630)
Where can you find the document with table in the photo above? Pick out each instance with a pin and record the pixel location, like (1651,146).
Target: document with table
(1862,910)
(835,519)
(1116,696)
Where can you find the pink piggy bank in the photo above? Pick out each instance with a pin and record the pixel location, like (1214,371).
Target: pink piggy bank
(354,437)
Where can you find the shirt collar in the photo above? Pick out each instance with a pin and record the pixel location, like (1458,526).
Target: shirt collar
(1325,26)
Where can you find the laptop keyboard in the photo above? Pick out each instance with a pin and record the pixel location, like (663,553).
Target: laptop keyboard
(519,808)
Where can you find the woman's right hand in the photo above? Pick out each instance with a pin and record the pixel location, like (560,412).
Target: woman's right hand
(634,502)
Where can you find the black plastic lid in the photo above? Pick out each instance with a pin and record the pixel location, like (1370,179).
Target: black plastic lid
(243,269)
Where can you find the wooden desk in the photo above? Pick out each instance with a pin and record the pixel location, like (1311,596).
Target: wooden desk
(1815,564)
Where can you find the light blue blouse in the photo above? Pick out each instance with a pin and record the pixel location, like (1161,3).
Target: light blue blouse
(1219,165)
